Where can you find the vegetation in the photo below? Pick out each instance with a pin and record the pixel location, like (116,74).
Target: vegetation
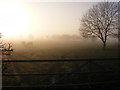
(61,49)
(101,21)
(5,52)
(40,50)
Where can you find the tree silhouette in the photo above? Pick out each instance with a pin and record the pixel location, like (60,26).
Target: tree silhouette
(5,50)
(100,21)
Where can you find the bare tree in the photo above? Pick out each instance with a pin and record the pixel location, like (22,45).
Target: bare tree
(100,21)
(5,50)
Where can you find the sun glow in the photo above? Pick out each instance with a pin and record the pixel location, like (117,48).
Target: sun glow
(13,19)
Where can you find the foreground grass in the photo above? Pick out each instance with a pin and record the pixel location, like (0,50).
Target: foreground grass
(56,50)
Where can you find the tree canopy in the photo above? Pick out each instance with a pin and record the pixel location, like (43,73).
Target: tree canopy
(100,21)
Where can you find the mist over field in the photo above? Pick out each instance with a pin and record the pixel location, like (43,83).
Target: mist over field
(51,31)
(43,45)
(61,47)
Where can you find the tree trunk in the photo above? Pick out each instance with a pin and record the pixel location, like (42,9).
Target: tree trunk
(104,45)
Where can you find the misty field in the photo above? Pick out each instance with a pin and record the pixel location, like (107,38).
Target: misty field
(60,44)
(62,49)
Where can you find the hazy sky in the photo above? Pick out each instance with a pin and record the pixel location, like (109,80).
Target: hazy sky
(69,0)
(42,18)
(55,18)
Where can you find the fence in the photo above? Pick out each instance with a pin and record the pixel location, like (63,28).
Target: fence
(87,73)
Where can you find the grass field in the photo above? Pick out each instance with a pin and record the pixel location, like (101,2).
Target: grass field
(61,49)
(41,50)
